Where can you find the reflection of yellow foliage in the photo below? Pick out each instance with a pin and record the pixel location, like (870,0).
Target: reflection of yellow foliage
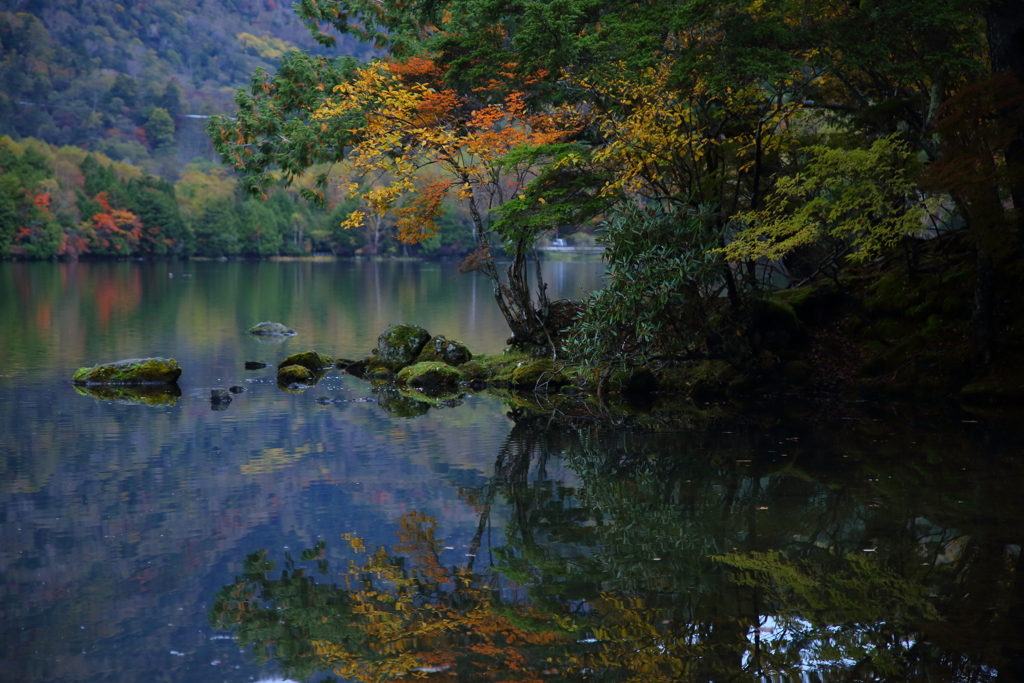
(419,617)
(274,459)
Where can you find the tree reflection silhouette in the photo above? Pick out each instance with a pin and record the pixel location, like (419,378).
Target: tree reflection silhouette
(676,559)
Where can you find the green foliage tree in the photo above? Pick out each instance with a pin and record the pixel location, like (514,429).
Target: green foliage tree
(217,230)
(160,129)
(662,291)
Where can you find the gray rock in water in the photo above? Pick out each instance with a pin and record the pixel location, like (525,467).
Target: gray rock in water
(442,350)
(220,396)
(131,371)
(399,345)
(269,329)
(236,389)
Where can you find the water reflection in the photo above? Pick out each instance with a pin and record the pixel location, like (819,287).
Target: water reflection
(748,554)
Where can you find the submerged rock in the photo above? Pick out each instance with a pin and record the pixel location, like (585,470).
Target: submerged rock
(311,360)
(236,389)
(442,350)
(131,371)
(399,345)
(146,394)
(270,329)
(256,365)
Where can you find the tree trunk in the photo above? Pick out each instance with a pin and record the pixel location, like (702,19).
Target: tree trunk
(1005,30)
(524,319)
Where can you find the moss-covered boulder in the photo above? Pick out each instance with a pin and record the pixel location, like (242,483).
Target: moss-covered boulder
(539,375)
(155,395)
(295,374)
(429,375)
(399,345)
(270,329)
(311,360)
(442,350)
(131,371)
(473,372)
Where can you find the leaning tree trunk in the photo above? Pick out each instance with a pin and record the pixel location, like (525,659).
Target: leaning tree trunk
(525,317)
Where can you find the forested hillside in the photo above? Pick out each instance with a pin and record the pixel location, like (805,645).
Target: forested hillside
(103,143)
(65,202)
(121,79)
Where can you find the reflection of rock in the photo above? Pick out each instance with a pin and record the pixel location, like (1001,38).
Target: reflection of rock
(442,350)
(295,379)
(131,371)
(269,329)
(399,345)
(399,405)
(256,365)
(145,394)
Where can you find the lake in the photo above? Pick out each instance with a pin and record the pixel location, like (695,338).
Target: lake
(472,541)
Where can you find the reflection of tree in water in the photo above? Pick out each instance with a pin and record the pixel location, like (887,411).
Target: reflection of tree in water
(685,557)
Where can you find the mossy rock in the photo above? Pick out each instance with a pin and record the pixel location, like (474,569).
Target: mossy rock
(442,350)
(311,360)
(539,375)
(429,374)
(357,368)
(473,372)
(295,373)
(375,370)
(699,378)
(399,345)
(775,325)
(131,371)
(270,329)
(145,395)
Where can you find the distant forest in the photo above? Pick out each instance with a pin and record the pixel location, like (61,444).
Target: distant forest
(103,75)
(103,147)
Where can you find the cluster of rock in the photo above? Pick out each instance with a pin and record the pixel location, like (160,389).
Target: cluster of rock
(412,356)
(406,357)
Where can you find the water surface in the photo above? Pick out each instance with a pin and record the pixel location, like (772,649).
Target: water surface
(872,542)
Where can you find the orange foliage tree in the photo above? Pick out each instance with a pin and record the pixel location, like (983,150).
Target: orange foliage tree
(421,143)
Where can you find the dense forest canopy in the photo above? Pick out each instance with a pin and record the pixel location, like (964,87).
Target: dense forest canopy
(791,140)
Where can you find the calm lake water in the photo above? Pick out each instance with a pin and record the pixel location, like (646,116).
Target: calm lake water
(284,536)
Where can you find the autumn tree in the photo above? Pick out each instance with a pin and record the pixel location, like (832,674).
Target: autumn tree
(422,141)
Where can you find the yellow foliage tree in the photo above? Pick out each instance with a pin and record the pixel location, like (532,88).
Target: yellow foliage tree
(859,202)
